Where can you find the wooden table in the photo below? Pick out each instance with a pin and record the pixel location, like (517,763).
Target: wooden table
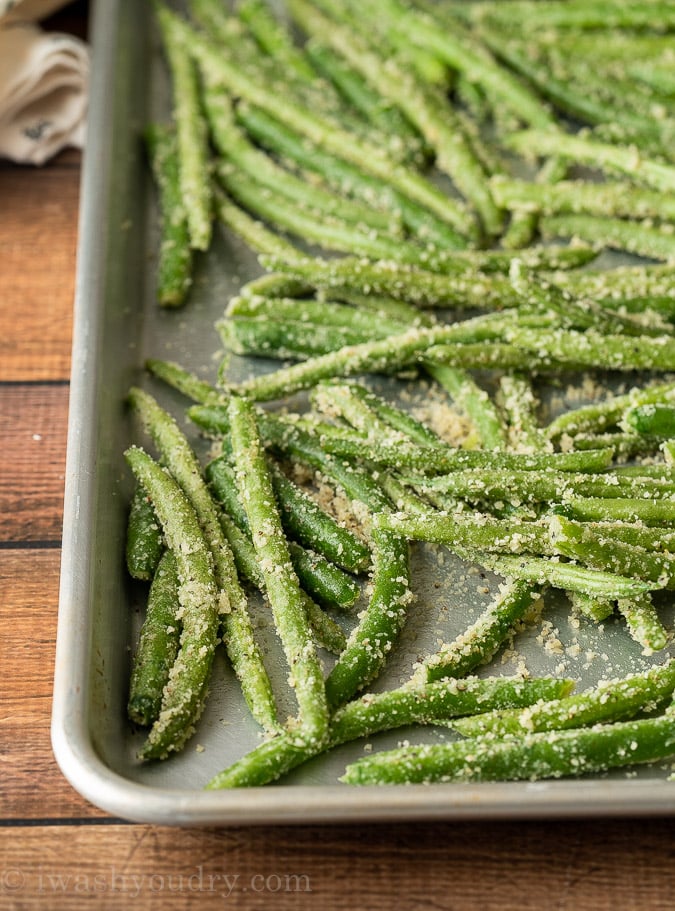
(60,852)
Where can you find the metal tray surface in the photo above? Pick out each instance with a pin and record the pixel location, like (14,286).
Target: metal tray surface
(117,325)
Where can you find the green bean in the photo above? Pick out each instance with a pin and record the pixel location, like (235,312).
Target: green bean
(647,282)
(643,622)
(655,420)
(233,144)
(397,419)
(374,636)
(174,268)
(315,313)
(597,154)
(321,130)
(238,636)
(592,607)
(479,643)
(400,281)
(615,233)
(462,532)
(185,382)
(594,349)
(281,584)
(274,38)
(144,542)
(253,232)
(523,225)
(442,460)
(518,402)
(590,509)
(612,700)
(184,694)
(579,15)
(514,486)
(346,177)
(331,234)
(600,416)
(613,199)
(425,108)
(158,645)
(420,704)
(191,133)
(387,354)
(460,49)
(403,140)
(473,401)
(326,633)
(567,576)
(316,529)
(547,755)
(286,339)
(321,579)
(579,542)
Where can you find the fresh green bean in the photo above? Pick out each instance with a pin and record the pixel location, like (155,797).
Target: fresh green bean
(158,644)
(144,541)
(611,700)
(567,576)
(643,622)
(253,232)
(592,509)
(421,704)
(426,108)
(613,199)
(174,268)
(184,694)
(547,755)
(191,133)
(597,154)
(592,607)
(615,233)
(655,420)
(242,648)
(374,636)
(479,643)
(281,584)
(599,416)
(326,632)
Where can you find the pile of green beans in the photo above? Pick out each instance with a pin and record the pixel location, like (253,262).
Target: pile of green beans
(374,159)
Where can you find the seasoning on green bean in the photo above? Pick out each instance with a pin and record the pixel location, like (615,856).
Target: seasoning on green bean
(158,644)
(281,584)
(185,691)
(429,703)
(552,754)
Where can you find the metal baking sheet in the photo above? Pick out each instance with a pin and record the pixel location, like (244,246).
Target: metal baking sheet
(118,325)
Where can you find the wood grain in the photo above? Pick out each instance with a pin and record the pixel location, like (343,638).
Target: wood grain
(34,787)
(33,421)
(38,235)
(501,867)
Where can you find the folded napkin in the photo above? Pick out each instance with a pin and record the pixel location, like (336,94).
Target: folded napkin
(44,79)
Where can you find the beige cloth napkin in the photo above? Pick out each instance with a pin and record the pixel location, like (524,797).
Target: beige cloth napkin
(44,77)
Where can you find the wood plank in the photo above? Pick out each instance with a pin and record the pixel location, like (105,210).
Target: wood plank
(33,424)
(33,786)
(491,867)
(38,237)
